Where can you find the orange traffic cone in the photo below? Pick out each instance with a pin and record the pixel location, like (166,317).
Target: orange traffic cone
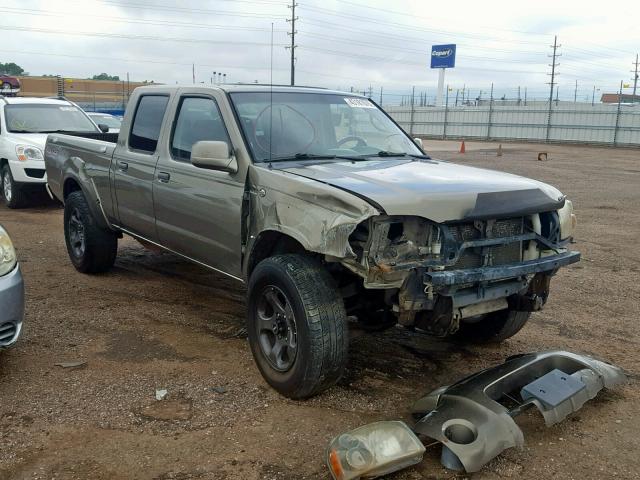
(462,147)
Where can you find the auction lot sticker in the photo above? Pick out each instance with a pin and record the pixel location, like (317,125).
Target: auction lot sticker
(359,102)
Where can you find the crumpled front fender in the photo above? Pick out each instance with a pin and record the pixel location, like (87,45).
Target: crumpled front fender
(320,217)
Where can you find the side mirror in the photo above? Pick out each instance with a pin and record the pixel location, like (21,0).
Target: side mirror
(214,156)
(103,128)
(418,141)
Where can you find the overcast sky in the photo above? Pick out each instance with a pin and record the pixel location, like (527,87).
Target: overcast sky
(341,43)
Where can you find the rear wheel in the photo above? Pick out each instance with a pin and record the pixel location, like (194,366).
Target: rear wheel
(297,325)
(14,195)
(91,248)
(492,327)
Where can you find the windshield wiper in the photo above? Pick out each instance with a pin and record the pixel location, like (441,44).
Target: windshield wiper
(66,131)
(384,153)
(310,156)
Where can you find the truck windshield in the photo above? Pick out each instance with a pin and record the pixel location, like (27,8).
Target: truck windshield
(312,125)
(43,118)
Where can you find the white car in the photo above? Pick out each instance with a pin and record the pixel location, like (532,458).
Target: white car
(24,126)
(107,119)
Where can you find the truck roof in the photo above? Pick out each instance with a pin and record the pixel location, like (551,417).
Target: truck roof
(34,100)
(252,87)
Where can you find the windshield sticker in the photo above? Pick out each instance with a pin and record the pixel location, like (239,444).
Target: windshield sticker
(69,109)
(358,102)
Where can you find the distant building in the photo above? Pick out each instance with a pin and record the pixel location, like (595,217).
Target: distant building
(615,98)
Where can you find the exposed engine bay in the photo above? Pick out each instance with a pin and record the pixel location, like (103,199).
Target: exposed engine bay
(441,274)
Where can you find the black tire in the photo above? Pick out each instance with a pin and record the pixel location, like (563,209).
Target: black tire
(319,325)
(493,328)
(91,248)
(13,193)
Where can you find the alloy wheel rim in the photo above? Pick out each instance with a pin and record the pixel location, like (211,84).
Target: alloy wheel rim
(76,233)
(6,184)
(276,329)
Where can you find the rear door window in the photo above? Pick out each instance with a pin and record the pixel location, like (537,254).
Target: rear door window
(198,120)
(147,122)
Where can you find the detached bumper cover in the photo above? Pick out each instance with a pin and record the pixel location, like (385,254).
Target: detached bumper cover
(11,307)
(471,417)
(513,270)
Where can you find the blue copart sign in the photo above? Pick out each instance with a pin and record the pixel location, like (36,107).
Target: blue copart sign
(443,56)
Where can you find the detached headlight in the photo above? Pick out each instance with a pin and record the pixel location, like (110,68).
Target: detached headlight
(26,152)
(373,450)
(8,258)
(568,220)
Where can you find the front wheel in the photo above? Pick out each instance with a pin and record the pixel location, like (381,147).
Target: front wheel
(297,325)
(14,195)
(91,248)
(493,327)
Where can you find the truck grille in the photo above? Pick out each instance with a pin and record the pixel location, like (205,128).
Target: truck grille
(7,333)
(501,254)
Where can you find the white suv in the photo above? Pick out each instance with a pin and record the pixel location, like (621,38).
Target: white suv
(24,126)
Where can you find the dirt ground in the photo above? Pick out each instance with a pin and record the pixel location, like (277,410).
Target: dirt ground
(157,322)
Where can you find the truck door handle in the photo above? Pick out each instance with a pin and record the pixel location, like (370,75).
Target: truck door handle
(164,177)
(123,166)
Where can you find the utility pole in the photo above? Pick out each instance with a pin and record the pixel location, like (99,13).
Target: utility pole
(413,100)
(635,80)
(575,93)
(293,46)
(381,96)
(552,83)
(193,72)
(553,66)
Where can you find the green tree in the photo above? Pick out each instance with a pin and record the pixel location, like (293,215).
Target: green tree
(11,69)
(105,76)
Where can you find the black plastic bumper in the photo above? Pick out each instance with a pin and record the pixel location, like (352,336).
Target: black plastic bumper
(512,270)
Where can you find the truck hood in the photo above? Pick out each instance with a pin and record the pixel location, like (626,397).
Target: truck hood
(33,139)
(433,189)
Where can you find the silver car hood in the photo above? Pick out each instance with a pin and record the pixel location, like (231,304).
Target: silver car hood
(433,189)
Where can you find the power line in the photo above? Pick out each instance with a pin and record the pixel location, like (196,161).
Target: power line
(137,60)
(198,11)
(52,13)
(404,26)
(132,37)
(411,15)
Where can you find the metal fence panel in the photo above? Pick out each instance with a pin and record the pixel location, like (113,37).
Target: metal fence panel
(564,122)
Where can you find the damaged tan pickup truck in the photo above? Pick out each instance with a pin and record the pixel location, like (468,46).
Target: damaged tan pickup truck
(324,207)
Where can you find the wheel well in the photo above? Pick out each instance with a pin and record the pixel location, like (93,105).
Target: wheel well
(269,244)
(70,185)
(3,162)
